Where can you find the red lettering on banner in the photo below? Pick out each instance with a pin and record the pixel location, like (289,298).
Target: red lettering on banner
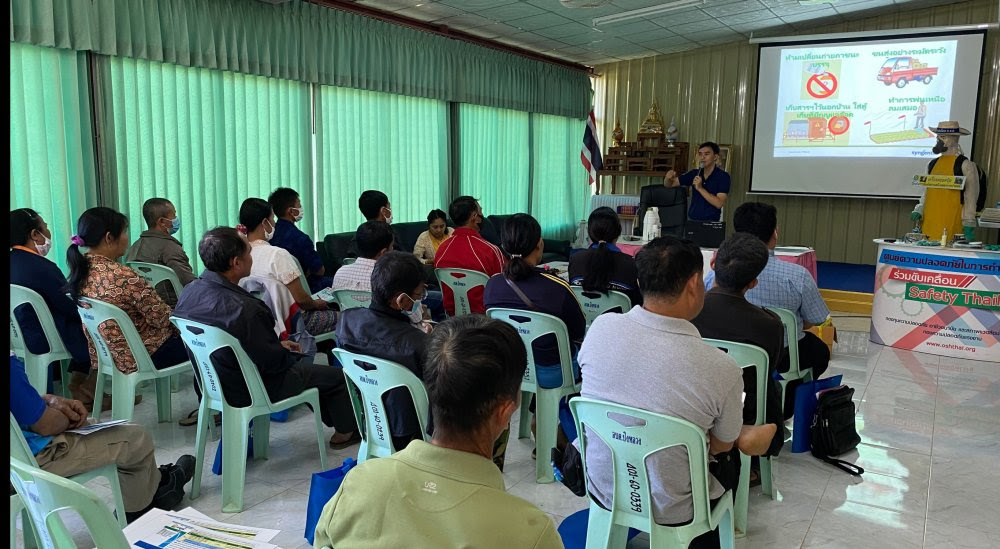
(924,277)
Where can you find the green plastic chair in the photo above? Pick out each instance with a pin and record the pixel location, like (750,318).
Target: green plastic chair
(45,495)
(595,304)
(123,386)
(652,433)
(201,341)
(353,299)
(19,450)
(531,326)
(749,356)
(460,282)
(37,366)
(154,274)
(788,319)
(368,379)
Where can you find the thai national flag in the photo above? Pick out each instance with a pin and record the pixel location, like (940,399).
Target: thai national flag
(590,156)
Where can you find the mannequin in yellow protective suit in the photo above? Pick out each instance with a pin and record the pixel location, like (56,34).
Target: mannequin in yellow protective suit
(949,210)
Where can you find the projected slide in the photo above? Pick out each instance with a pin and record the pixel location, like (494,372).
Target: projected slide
(863,99)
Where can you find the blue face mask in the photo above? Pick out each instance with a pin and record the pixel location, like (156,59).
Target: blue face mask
(175,225)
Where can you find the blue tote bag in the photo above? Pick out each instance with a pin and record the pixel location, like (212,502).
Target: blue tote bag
(321,490)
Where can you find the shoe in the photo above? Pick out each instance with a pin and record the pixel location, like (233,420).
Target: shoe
(173,477)
(754,478)
(186,464)
(354,439)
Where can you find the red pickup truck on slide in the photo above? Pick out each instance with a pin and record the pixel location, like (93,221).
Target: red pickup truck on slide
(900,70)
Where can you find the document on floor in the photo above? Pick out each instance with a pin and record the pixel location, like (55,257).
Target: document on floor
(189,529)
(95,427)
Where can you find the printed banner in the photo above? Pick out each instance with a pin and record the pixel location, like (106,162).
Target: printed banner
(938,301)
(954,182)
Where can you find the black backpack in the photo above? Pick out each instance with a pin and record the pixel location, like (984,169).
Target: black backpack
(984,180)
(833,431)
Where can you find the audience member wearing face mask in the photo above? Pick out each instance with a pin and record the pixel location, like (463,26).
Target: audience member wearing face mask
(30,243)
(289,211)
(157,244)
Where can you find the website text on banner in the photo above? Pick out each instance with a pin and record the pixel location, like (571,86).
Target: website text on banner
(939,301)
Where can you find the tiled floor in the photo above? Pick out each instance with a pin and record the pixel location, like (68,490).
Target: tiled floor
(931,434)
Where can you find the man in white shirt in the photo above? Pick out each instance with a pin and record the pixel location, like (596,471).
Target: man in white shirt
(672,372)
(374,238)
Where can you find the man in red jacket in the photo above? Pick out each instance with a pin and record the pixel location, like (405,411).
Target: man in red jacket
(467,249)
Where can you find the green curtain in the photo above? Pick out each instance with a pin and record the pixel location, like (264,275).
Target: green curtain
(560,190)
(206,140)
(51,151)
(494,158)
(370,140)
(305,42)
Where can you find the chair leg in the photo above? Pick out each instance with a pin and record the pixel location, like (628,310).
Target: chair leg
(235,438)
(164,410)
(116,492)
(601,532)
(766,481)
(98,396)
(524,428)
(204,420)
(726,538)
(546,424)
(742,496)
(64,377)
(122,396)
(321,437)
(261,430)
(175,383)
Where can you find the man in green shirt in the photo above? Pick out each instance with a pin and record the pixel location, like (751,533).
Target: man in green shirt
(447,493)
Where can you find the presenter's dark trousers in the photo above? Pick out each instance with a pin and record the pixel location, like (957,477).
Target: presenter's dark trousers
(813,353)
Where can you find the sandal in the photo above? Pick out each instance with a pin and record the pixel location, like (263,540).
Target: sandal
(350,441)
(192,419)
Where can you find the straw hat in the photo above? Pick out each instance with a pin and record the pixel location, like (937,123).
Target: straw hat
(949,127)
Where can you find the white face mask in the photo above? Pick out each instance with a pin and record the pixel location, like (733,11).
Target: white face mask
(269,234)
(43,249)
(388,218)
(416,312)
(299,216)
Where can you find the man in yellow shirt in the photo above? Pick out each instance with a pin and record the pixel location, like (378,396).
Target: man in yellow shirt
(448,492)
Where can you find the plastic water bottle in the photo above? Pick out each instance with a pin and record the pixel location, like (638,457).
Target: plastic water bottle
(651,224)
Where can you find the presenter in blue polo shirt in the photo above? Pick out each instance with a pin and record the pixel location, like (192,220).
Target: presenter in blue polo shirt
(710,184)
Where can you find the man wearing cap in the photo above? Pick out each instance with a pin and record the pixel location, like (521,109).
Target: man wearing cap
(949,211)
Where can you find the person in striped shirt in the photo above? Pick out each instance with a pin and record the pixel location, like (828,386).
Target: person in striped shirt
(467,249)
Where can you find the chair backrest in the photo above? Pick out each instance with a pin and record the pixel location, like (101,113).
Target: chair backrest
(595,304)
(531,326)
(369,379)
(201,341)
(155,273)
(353,299)
(302,275)
(94,313)
(460,281)
(748,356)
(671,204)
(45,495)
(633,435)
(789,320)
(18,445)
(19,295)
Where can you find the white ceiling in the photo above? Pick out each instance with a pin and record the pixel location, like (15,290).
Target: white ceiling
(548,27)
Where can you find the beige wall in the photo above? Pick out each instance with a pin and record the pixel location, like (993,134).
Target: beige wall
(711,93)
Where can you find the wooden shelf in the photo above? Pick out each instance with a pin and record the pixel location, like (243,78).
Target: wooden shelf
(613,173)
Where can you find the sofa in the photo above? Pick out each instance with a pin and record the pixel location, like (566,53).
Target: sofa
(336,247)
